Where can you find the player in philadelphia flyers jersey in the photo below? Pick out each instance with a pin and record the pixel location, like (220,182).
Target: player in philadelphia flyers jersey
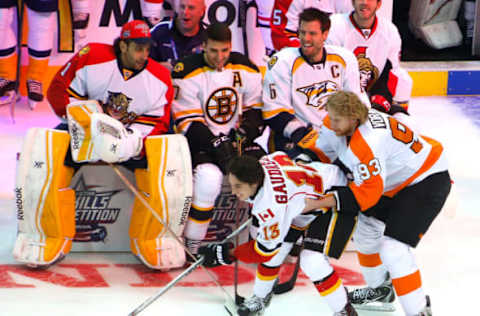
(218,95)
(400,183)
(284,19)
(376,43)
(298,81)
(277,187)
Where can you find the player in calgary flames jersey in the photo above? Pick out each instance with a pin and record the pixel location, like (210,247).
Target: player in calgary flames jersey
(277,187)
(400,183)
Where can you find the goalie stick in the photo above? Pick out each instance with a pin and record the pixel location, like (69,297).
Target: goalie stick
(229,300)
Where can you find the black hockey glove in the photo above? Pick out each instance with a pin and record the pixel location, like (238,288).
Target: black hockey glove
(253,149)
(222,151)
(216,254)
(247,131)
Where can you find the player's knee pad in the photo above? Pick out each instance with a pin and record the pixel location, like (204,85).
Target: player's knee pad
(166,186)
(45,204)
(368,234)
(314,264)
(397,257)
(8,34)
(207,184)
(40,37)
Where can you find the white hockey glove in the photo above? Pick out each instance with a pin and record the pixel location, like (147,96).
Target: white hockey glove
(112,142)
(216,254)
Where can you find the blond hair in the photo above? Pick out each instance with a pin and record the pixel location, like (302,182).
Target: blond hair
(347,104)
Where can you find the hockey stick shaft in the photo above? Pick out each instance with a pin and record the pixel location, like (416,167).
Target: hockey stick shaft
(167,287)
(172,233)
(21,11)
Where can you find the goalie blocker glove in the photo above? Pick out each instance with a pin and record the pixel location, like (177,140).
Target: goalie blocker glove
(216,254)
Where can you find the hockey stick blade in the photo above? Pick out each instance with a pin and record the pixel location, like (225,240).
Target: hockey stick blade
(288,285)
(231,308)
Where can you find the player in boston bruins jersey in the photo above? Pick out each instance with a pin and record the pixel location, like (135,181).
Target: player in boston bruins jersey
(376,44)
(299,80)
(218,95)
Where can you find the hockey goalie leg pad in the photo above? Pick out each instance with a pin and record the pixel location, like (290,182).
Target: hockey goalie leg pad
(45,204)
(167,187)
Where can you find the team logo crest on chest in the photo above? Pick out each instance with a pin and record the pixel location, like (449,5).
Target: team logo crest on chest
(222,105)
(318,92)
(117,107)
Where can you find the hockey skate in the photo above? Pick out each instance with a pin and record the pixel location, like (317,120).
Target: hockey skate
(348,310)
(35,93)
(374,299)
(427,311)
(6,85)
(254,306)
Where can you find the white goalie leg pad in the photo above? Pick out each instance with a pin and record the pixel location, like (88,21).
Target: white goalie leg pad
(167,187)
(45,204)
(79,118)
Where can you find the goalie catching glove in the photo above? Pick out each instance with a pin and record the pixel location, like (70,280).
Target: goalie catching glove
(217,254)
(112,142)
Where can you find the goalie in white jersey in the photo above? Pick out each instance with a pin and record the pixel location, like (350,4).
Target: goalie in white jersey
(135,94)
(400,183)
(298,81)
(218,97)
(376,43)
(277,187)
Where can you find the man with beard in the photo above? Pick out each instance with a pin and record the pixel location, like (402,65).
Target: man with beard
(376,43)
(298,82)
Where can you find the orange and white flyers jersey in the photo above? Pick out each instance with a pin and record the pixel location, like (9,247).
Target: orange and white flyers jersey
(215,98)
(383,155)
(280,201)
(142,98)
(284,20)
(295,86)
(373,47)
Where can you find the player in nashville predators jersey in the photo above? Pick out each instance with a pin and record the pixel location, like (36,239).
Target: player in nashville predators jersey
(218,95)
(299,80)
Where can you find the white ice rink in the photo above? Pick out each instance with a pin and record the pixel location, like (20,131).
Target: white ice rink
(115,283)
